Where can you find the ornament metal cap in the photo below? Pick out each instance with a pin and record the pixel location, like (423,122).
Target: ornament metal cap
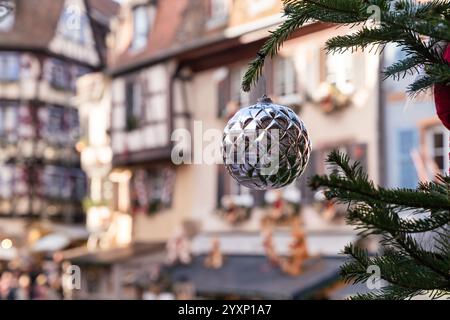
(265,100)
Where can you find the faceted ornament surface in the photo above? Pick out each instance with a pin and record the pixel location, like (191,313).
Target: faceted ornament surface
(265,146)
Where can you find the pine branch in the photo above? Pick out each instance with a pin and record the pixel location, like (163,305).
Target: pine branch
(270,48)
(393,292)
(402,68)
(442,244)
(404,22)
(378,220)
(420,30)
(405,264)
(298,13)
(395,268)
(440,186)
(354,186)
(420,85)
(421,18)
(435,73)
(430,260)
(362,39)
(336,11)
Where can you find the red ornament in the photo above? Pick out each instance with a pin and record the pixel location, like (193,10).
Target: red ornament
(442,97)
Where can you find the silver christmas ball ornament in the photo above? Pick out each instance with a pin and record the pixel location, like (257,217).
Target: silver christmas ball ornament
(265,146)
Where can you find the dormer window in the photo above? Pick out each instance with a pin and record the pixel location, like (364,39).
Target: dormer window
(7,15)
(256,7)
(142,16)
(73,24)
(218,12)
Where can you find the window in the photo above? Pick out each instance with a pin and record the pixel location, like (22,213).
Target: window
(59,182)
(58,125)
(9,67)
(71,124)
(218,11)
(6,181)
(356,152)
(237,95)
(52,181)
(339,71)
(238,190)
(285,77)
(407,141)
(133,105)
(141,27)
(55,121)
(60,75)
(229,190)
(438,139)
(7,17)
(9,120)
(152,191)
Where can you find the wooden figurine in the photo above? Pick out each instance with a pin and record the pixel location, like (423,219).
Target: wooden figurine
(214,260)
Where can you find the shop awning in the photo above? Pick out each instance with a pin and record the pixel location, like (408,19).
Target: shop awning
(59,238)
(51,243)
(253,276)
(83,256)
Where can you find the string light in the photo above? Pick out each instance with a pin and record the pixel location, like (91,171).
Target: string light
(6,244)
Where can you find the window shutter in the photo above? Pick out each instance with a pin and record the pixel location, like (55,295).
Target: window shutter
(223,184)
(220,186)
(358,152)
(322,61)
(223,95)
(129,98)
(258,197)
(307,195)
(359,70)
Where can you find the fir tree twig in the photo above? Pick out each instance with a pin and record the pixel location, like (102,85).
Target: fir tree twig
(405,22)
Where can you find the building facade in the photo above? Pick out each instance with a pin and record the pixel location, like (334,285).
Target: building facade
(172,82)
(182,74)
(415,141)
(44,47)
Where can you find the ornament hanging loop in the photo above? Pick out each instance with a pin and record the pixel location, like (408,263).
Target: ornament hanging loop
(264,85)
(264,98)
